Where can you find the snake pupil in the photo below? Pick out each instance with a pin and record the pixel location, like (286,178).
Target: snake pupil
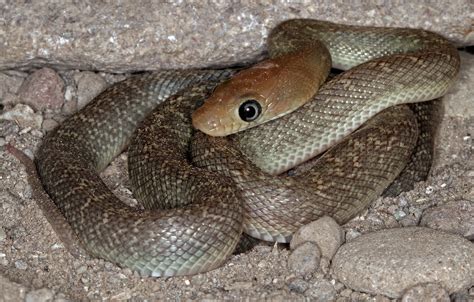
(250,110)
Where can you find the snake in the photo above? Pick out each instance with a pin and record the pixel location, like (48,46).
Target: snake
(201,192)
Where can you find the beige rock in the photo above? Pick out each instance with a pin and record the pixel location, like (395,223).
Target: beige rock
(130,35)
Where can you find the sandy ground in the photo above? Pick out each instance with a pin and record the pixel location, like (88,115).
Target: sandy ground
(34,264)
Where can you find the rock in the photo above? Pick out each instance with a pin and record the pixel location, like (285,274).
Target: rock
(49,124)
(322,290)
(298,285)
(304,260)
(40,295)
(89,85)
(352,234)
(325,232)
(426,292)
(20,264)
(390,261)
(123,36)
(454,217)
(43,89)
(24,115)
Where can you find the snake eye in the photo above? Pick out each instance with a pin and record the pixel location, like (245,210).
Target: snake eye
(250,110)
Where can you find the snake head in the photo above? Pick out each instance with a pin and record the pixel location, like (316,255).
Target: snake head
(264,92)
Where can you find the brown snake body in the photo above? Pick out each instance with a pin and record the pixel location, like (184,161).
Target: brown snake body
(200,235)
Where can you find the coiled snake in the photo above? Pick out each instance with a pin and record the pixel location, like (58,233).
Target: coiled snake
(412,66)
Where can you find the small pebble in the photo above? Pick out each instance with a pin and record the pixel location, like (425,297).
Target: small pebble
(40,295)
(426,292)
(42,89)
(89,85)
(399,214)
(298,285)
(49,124)
(69,107)
(20,264)
(352,234)
(325,232)
(304,259)
(81,269)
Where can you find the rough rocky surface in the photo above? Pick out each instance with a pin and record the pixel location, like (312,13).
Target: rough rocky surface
(35,263)
(146,35)
(390,261)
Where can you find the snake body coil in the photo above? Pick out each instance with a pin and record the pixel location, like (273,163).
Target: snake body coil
(202,234)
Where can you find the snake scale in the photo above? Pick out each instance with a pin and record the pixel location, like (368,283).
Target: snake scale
(401,66)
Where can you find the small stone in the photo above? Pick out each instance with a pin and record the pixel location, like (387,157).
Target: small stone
(89,85)
(298,285)
(69,107)
(322,290)
(49,124)
(454,217)
(412,255)
(3,142)
(81,269)
(20,264)
(42,89)
(399,215)
(199,279)
(24,115)
(426,292)
(40,295)
(57,246)
(304,259)
(325,232)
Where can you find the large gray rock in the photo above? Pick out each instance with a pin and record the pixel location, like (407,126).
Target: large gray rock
(390,261)
(147,35)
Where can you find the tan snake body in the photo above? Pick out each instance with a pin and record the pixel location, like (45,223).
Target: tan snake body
(202,234)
